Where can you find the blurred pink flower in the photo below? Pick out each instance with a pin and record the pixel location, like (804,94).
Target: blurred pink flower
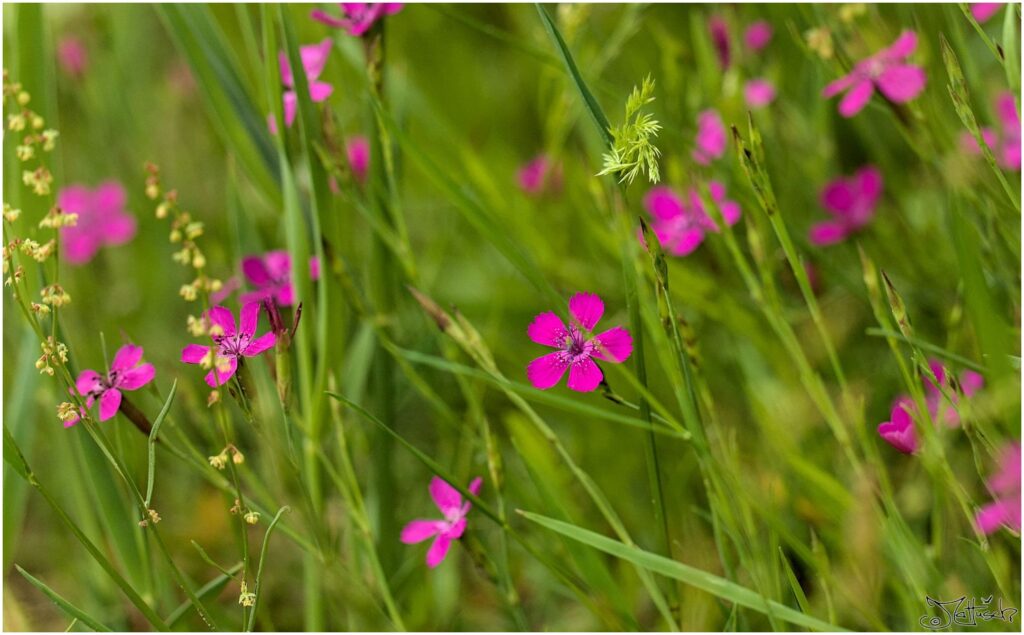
(357,17)
(680,228)
(102,220)
(271,275)
(126,373)
(538,175)
(898,431)
(576,354)
(357,148)
(759,92)
(851,202)
(720,38)
(711,137)
(229,344)
(314,58)
(982,11)
(886,70)
(1004,142)
(758,35)
(229,286)
(72,56)
(940,408)
(1005,488)
(449,502)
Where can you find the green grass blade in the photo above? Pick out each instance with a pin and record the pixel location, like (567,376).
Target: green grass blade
(151,471)
(259,568)
(70,609)
(211,588)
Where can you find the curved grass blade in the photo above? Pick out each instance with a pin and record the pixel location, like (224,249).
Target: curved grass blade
(70,609)
(259,568)
(151,473)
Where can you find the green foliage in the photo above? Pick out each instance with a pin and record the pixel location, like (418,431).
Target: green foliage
(632,150)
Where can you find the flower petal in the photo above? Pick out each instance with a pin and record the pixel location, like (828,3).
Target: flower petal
(447,498)
(194,353)
(438,550)
(971,382)
(456,530)
(260,344)
(291,107)
(249,318)
(614,345)
(255,271)
(857,98)
(983,11)
(420,530)
(828,233)
(903,46)
(663,203)
(110,401)
(587,309)
(992,516)
(128,356)
(477,483)
(222,317)
(758,93)
(136,377)
(902,83)
(314,58)
(686,242)
(584,376)
(837,86)
(319,91)
(546,371)
(88,381)
(224,372)
(547,329)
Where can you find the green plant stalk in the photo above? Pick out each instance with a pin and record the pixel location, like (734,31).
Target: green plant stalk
(259,569)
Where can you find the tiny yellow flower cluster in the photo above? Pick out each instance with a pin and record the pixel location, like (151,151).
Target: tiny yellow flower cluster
(67,411)
(819,40)
(54,354)
(245,598)
(38,252)
(11,214)
(57,218)
(153,518)
(220,461)
(21,119)
(55,295)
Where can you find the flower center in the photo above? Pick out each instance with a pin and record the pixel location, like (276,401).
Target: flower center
(232,346)
(575,347)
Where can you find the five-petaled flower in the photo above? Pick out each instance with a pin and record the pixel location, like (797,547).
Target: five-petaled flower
(449,502)
(271,275)
(898,431)
(576,351)
(711,137)
(851,202)
(680,227)
(314,58)
(357,17)
(1005,487)
(229,344)
(126,373)
(102,220)
(887,71)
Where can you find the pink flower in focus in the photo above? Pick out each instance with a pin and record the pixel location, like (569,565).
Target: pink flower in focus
(758,35)
(680,228)
(576,353)
(449,502)
(538,175)
(939,407)
(758,93)
(271,275)
(314,58)
(102,220)
(982,11)
(1005,487)
(72,56)
(851,202)
(358,17)
(898,431)
(1004,143)
(720,38)
(886,70)
(711,137)
(229,344)
(357,148)
(126,373)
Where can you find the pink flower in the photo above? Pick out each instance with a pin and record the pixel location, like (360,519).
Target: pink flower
(851,202)
(711,137)
(449,502)
(680,228)
(229,345)
(720,38)
(898,431)
(271,275)
(1004,143)
(314,58)
(1005,487)
(758,93)
(758,35)
(538,175)
(886,70)
(229,286)
(982,11)
(357,149)
(125,374)
(576,353)
(102,220)
(72,56)
(358,17)
(939,407)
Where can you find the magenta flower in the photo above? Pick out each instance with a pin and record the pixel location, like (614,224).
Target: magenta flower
(1004,142)
(314,58)
(941,409)
(983,11)
(886,70)
(758,93)
(229,345)
(1005,487)
(449,502)
(126,373)
(898,431)
(680,227)
(711,137)
(271,275)
(102,220)
(357,17)
(538,175)
(720,39)
(758,35)
(851,202)
(72,56)
(357,149)
(576,353)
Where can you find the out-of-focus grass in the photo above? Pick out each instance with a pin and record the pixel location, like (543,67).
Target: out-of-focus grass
(764,386)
